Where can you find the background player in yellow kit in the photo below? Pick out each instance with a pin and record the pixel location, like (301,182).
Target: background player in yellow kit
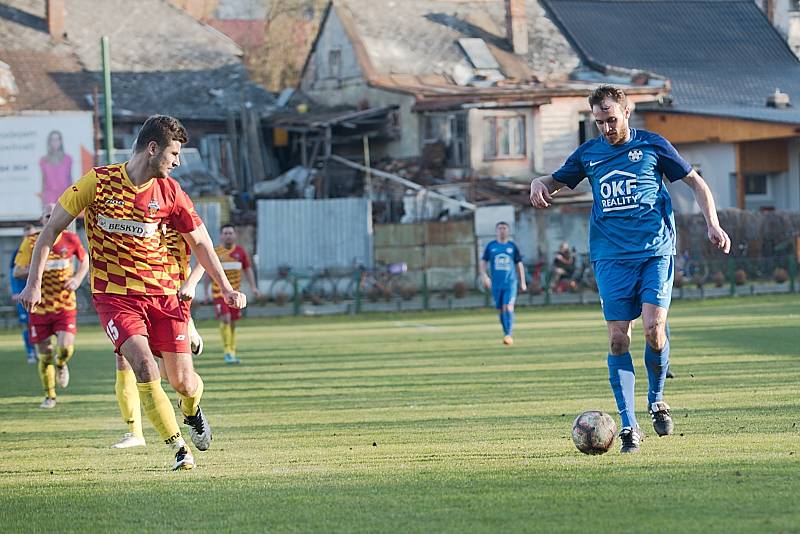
(235,261)
(57,314)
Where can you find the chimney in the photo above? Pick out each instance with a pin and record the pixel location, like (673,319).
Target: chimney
(778,100)
(55,19)
(516,26)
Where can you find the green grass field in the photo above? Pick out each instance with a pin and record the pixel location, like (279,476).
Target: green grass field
(424,422)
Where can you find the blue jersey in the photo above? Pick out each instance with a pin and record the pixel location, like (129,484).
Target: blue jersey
(502,259)
(632,210)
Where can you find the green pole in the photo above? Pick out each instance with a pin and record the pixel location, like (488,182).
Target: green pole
(107,97)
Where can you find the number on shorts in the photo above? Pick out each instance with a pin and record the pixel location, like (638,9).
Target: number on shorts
(112,331)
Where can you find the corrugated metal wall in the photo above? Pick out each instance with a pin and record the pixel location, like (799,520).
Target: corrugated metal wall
(313,234)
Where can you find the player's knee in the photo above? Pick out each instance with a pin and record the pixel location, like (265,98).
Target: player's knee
(184,383)
(655,335)
(619,342)
(508,308)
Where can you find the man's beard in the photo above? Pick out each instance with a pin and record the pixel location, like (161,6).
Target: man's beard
(155,169)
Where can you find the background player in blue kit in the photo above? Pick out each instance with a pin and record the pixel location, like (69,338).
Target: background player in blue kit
(632,243)
(504,262)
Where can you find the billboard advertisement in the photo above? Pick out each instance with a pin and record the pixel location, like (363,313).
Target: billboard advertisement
(40,156)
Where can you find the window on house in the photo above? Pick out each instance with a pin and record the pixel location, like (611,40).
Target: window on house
(449,129)
(755,184)
(504,137)
(586,128)
(335,63)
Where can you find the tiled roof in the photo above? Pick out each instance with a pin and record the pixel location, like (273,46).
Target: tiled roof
(162,59)
(722,57)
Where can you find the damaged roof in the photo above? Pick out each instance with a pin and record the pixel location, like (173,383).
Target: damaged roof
(162,60)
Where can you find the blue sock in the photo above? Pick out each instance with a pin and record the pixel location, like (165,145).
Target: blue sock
(622,378)
(28,345)
(503,322)
(657,364)
(510,322)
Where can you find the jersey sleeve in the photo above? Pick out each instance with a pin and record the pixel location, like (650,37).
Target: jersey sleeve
(80,252)
(80,194)
(245,259)
(517,255)
(572,171)
(183,217)
(486,256)
(670,163)
(24,254)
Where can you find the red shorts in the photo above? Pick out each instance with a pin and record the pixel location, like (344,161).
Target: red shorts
(41,327)
(220,309)
(161,318)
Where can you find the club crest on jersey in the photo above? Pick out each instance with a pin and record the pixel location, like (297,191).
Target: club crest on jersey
(152,208)
(509,250)
(635,154)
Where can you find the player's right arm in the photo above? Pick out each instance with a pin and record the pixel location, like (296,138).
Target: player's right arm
(74,199)
(483,268)
(542,190)
(570,174)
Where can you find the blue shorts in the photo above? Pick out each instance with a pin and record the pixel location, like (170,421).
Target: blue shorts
(503,295)
(625,284)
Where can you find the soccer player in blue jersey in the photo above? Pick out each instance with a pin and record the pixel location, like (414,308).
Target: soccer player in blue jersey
(503,260)
(632,243)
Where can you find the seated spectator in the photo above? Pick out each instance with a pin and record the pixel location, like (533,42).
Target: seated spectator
(563,265)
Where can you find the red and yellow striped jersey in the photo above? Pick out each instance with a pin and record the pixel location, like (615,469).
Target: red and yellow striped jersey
(179,251)
(127,252)
(234,261)
(57,270)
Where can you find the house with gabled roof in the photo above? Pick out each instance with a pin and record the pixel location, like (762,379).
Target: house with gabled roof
(734,106)
(494,82)
(162,61)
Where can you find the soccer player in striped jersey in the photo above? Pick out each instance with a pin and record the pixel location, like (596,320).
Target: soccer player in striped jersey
(57,314)
(235,261)
(134,283)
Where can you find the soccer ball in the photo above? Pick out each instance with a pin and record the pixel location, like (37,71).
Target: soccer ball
(593,432)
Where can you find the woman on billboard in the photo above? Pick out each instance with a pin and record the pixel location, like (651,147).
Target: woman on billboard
(56,169)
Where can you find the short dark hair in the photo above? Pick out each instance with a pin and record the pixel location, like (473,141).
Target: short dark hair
(600,94)
(162,129)
(501,222)
(227,225)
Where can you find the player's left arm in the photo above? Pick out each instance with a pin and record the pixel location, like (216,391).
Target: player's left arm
(185,220)
(203,249)
(705,200)
(523,284)
(189,287)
